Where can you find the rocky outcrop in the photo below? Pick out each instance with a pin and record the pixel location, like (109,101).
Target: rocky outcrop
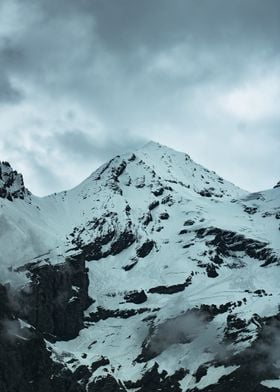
(227,243)
(6,311)
(145,248)
(153,205)
(136,297)
(104,314)
(155,380)
(173,289)
(57,298)
(105,384)
(123,241)
(109,241)
(102,361)
(11,183)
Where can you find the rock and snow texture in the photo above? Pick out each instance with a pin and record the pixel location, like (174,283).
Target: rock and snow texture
(11,183)
(177,273)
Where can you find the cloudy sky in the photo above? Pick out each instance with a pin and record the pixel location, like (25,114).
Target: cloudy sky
(84,80)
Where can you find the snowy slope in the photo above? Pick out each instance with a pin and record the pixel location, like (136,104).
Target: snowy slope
(183,271)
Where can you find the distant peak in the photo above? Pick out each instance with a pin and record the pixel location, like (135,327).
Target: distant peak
(11,183)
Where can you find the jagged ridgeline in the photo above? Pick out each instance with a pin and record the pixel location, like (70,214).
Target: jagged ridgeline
(153,274)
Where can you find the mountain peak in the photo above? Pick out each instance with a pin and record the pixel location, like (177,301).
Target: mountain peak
(153,146)
(157,166)
(11,183)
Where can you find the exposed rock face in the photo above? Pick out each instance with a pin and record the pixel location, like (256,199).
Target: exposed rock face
(106,384)
(111,240)
(26,366)
(136,297)
(11,183)
(154,380)
(104,314)
(100,362)
(227,243)
(25,361)
(176,288)
(5,308)
(57,299)
(145,248)
(122,242)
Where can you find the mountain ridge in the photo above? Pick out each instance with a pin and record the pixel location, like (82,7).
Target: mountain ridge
(168,272)
(151,147)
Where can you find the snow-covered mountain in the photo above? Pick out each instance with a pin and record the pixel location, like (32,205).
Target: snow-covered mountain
(154,274)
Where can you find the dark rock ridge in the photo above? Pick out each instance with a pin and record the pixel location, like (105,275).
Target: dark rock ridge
(145,248)
(136,297)
(107,232)
(104,314)
(100,362)
(154,380)
(11,183)
(227,243)
(57,298)
(175,288)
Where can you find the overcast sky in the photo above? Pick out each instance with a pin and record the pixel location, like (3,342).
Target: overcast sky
(84,80)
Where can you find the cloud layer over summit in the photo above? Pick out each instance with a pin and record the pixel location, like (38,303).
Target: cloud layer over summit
(81,81)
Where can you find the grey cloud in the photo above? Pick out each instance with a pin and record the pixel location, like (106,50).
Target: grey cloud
(8,94)
(46,178)
(103,53)
(72,37)
(130,24)
(84,146)
(150,66)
